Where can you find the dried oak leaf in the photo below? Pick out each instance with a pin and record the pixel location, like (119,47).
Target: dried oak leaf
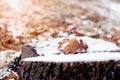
(72,46)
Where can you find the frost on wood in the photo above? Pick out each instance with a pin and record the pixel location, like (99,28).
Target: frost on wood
(50,47)
(99,50)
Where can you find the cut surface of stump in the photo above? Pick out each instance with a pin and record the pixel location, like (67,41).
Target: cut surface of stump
(101,61)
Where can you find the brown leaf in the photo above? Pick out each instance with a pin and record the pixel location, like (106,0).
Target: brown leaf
(82,46)
(72,46)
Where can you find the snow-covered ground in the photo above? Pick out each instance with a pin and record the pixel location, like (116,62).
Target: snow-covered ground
(5,58)
(113,7)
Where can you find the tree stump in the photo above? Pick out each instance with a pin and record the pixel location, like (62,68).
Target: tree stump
(100,62)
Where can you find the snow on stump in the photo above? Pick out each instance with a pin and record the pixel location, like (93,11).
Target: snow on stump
(90,59)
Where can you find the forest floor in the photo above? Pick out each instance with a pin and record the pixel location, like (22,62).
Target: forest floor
(22,22)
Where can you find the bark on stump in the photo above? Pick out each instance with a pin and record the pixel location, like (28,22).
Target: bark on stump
(105,70)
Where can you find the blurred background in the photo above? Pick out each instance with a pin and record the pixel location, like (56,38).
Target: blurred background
(21,21)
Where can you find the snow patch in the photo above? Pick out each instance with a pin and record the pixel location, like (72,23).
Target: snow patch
(88,57)
(98,50)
